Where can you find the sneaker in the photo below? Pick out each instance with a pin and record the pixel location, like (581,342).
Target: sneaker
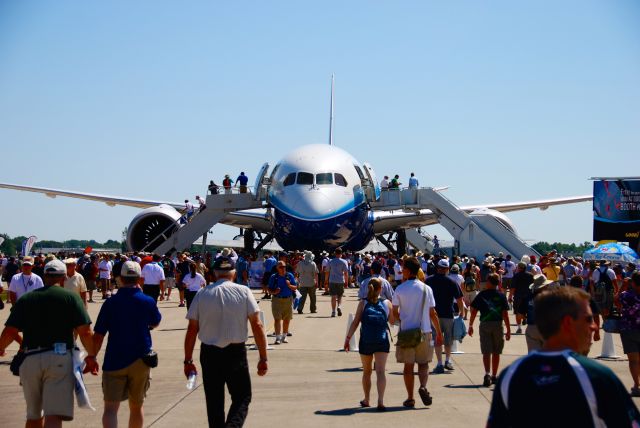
(278,341)
(439,369)
(494,380)
(339,312)
(299,312)
(524,321)
(448,365)
(519,331)
(168,298)
(90,301)
(333,314)
(289,334)
(181,305)
(487,380)
(635,391)
(284,339)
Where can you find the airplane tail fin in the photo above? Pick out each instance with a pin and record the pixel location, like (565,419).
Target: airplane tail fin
(331,113)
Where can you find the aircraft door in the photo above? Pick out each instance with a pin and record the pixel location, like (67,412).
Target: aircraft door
(260,191)
(375,186)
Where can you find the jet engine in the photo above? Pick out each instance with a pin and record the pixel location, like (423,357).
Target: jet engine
(501,217)
(151,227)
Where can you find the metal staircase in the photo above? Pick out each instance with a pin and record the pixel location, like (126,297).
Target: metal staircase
(217,207)
(474,234)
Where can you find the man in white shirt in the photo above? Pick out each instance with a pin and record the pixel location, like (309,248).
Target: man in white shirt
(104,269)
(75,282)
(25,281)
(509,269)
(153,279)
(414,305)
(384,184)
(218,317)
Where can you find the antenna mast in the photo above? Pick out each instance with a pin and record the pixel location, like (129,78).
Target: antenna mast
(331,113)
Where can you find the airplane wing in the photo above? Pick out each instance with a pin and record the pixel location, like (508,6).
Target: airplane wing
(387,221)
(257,219)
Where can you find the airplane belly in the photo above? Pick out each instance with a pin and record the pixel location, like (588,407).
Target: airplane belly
(293,233)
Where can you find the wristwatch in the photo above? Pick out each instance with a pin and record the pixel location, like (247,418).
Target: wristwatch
(188,362)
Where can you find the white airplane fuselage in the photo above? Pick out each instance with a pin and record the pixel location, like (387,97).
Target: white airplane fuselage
(318,201)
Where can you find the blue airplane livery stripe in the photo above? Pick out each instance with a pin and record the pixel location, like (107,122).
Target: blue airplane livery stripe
(348,207)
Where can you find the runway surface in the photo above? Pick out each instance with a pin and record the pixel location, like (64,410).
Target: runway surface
(310,382)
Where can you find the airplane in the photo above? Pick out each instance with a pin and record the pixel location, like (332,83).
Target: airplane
(317,197)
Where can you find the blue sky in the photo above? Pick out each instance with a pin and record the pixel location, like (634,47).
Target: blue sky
(504,101)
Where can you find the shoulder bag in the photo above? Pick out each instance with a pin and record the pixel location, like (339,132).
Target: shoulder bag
(413,337)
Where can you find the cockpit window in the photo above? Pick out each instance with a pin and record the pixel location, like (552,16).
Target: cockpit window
(359,171)
(324,178)
(305,178)
(340,180)
(291,179)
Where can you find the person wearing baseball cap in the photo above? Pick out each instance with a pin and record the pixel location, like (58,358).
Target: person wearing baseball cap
(445,290)
(25,281)
(218,317)
(127,317)
(74,281)
(48,317)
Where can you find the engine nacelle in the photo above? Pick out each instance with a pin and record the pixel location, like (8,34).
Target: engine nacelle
(501,217)
(146,230)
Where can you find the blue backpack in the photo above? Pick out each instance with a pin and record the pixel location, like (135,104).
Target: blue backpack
(374,323)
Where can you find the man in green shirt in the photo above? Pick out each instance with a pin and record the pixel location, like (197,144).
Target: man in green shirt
(559,386)
(48,318)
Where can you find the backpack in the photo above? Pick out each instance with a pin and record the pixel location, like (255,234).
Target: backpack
(226,182)
(470,282)
(89,271)
(374,323)
(601,287)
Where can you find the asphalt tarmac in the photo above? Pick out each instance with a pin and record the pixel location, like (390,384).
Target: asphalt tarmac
(310,383)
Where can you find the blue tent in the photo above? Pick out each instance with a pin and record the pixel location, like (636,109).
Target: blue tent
(612,252)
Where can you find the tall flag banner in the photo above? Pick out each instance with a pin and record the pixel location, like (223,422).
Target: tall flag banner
(616,210)
(1,240)
(28,244)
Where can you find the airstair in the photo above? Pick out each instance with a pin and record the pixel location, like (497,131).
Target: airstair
(474,234)
(217,207)
(419,241)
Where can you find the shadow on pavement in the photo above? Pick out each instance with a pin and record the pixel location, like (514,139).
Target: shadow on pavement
(349,411)
(465,386)
(346,370)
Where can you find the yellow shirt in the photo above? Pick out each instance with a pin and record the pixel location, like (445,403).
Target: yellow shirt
(75,283)
(552,272)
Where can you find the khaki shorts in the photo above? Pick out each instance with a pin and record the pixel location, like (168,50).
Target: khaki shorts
(169,282)
(421,354)
(282,309)
(491,339)
(48,384)
(336,288)
(130,383)
(469,296)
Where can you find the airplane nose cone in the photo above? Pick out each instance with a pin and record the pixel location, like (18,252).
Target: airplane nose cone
(314,205)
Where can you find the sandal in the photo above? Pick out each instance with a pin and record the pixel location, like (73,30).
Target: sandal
(381,408)
(424,395)
(364,403)
(410,402)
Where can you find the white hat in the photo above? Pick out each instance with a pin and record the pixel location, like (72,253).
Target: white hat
(443,263)
(130,269)
(55,267)
(70,261)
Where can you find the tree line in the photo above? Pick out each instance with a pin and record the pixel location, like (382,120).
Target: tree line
(12,246)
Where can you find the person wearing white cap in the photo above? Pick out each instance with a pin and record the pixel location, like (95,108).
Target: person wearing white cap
(25,281)
(48,318)
(127,318)
(307,275)
(74,281)
(445,291)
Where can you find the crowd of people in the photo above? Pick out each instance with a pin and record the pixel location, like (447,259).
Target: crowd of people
(558,300)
